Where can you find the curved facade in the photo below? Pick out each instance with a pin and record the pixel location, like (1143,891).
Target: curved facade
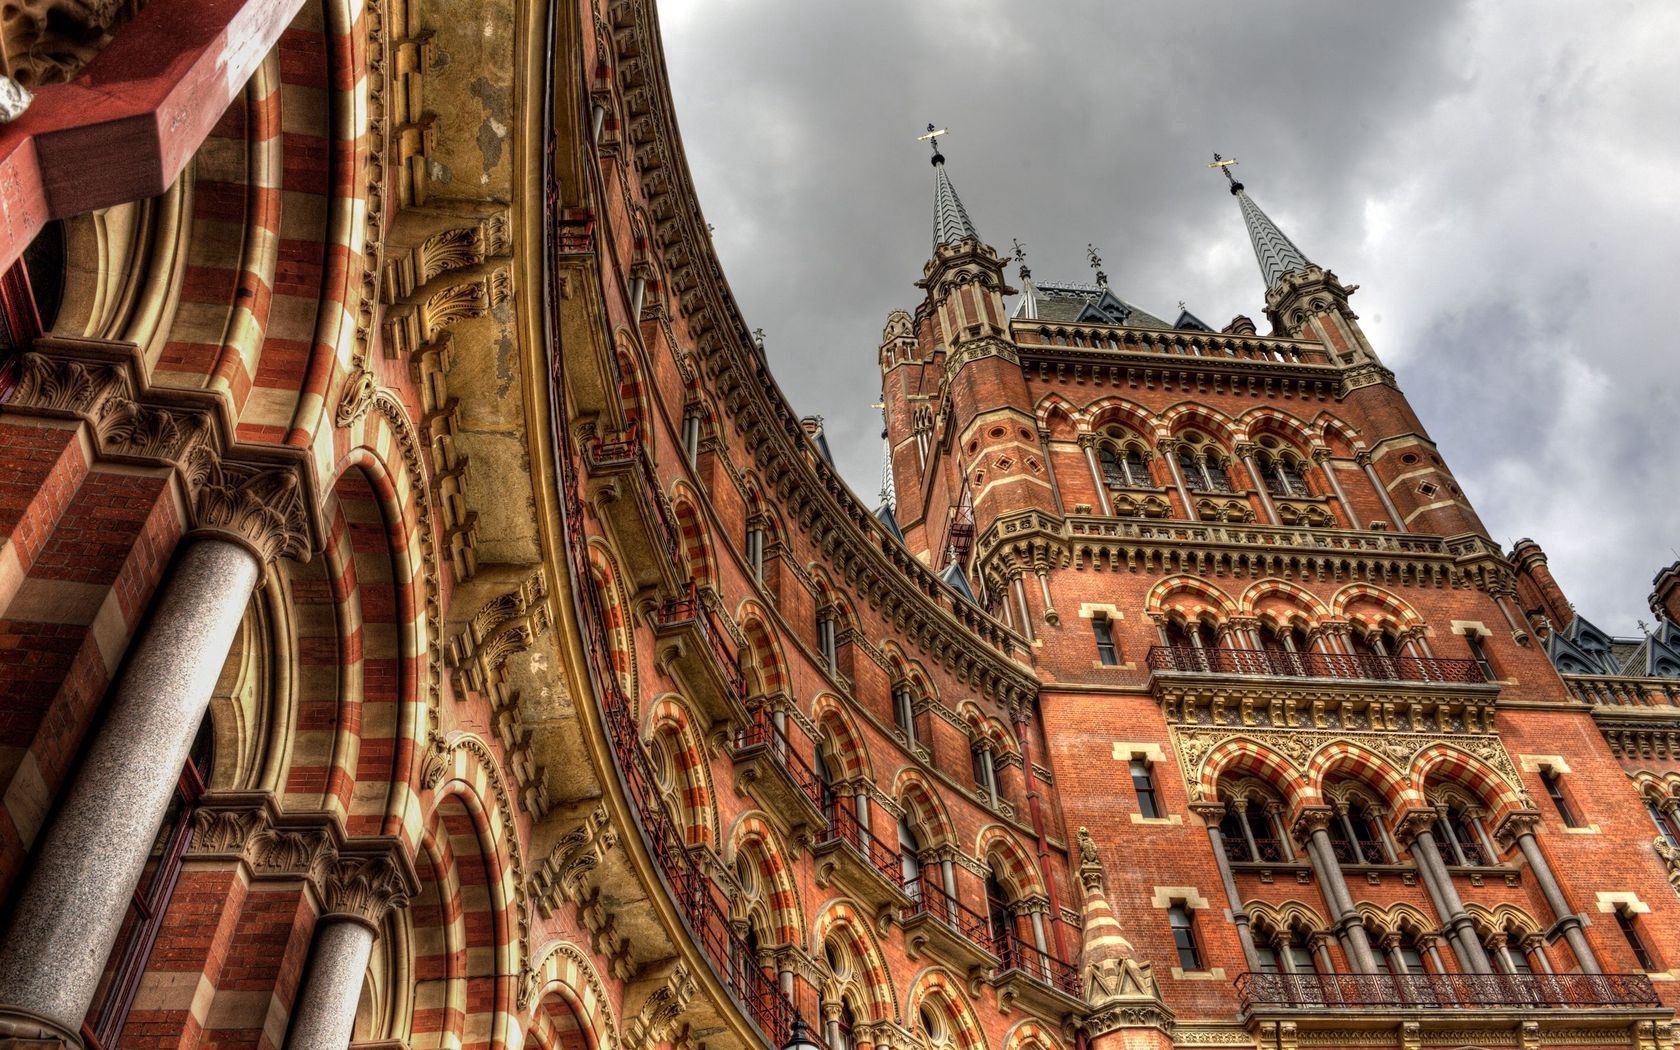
(425,624)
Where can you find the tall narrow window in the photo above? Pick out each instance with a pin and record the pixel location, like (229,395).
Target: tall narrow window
(1143,782)
(825,640)
(1478,652)
(1664,825)
(1554,791)
(1184,938)
(1107,654)
(1630,930)
(691,436)
(1135,469)
(904,713)
(755,550)
(910,854)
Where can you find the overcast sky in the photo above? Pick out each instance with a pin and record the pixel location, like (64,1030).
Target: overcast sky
(1502,181)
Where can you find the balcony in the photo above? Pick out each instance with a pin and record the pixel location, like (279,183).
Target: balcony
(937,925)
(849,854)
(1187,659)
(778,778)
(1039,982)
(692,644)
(1446,991)
(626,496)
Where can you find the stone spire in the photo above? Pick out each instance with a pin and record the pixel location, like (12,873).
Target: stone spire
(1275,252)
(1120,991)
(951,224)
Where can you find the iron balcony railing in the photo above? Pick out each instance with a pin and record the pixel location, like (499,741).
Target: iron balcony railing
(690,607)
(763,731)
(1266,850)
(1445,990)
(1359,852)
(1287,487)
(1016,954)
(928,897)
(844,826)
(628,450)
(1280,663)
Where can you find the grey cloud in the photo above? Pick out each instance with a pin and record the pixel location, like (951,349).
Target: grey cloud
(1498,178)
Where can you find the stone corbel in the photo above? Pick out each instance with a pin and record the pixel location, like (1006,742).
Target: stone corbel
(654,1004)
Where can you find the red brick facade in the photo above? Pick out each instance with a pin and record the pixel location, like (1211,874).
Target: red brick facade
(579,704)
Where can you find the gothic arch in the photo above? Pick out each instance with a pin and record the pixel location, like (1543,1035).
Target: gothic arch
(670,730)
(1391,609)
(1218,426)
(944,995)
(1119,411)
(920,802)
(840,922)
(1354,762)
(762,661)
(1446,762)
(1030,1035)
(1010,861)
(845,741)
(754,843)
(1267,419)
(696,540)
(1312,609)
(616,623)
(1206,599)
(565,974)
(1244,757)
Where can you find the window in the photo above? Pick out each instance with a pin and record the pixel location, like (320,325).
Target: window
(691,436)
(1143,782)
(1184,937)
(1283,476)
(1479,654)
(755,550)
(1203,472)
(1630,930)
(984,773)
(1511,957)
(904,713)
(825,640)
(1107,654)
(1665,826)
(909,850)
(1301,958)
(1554,791)
(1268,958)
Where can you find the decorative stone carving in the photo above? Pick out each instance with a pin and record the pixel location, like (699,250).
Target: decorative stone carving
(1119,988)
(658,1002)
(357,397)
(364,887)
(261,508)
(1670,856)
(49,41)
(127,428)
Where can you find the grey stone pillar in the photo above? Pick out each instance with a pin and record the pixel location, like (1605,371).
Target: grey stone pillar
(95,850)
(1439,884)
(1169,451)
(1088,442)
(325,1013)
(1246,452)
(1521,828)
(1350,928)
(1364,460)
(1211,815)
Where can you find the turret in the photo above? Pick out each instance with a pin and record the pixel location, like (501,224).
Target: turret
(993,449)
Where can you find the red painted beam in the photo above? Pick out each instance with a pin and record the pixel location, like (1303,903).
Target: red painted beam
(125,127)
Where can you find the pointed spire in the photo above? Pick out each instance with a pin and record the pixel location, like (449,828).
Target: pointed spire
(1029,292)
(1276,253)
(951,223)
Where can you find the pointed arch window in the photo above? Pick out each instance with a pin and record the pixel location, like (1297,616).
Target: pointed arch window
(1664,821)
(910,853)
(1203,470)
(1125,467)
(904,712)
(1283,475)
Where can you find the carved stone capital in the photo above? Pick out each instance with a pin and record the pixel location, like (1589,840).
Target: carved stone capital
(1409,824)
(1311,819)
(259,507)
(1515,826)
(1211,813)
(365,885)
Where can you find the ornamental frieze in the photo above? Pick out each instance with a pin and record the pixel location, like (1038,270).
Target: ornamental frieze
(1300,747)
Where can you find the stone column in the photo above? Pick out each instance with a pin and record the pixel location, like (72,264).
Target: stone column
(1168,447)
(358,889)
(1211,813)
(95,849)
(1246,452)
(1322,457)
(1088,442)
(1364,460)
(1312,829)
(1020,593)
(1520,827)
(1415,832)
(1051,616)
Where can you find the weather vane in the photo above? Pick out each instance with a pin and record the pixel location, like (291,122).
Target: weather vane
(1225,164)
(1020,255)
(1096,264)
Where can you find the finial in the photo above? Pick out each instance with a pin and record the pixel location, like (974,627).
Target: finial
(1644,627)
(1020,255)
(1096,264)
(932,139)
(758,339)
(1225,165)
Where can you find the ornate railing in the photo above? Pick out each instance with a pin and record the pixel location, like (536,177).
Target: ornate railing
(1266,850)
(1445,990)
(691,608)
(1288,488)
(1256,535)
(1359,852)
(628,450)
(1609,691)
(1313,665)
(763,731)
(701,902)
(1015,954)
(844,826)
(928,897)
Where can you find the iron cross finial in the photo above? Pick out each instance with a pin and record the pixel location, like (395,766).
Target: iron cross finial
(1096,264)
(932,139)
(1225,164)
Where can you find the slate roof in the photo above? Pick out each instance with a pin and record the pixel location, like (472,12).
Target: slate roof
(1276,253)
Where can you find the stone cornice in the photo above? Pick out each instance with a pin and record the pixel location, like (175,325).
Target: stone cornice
(969,643)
